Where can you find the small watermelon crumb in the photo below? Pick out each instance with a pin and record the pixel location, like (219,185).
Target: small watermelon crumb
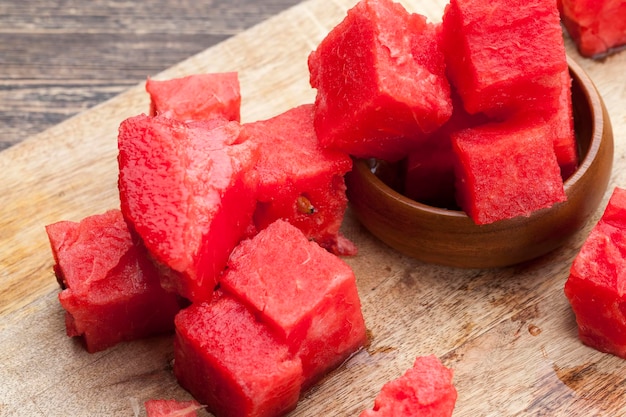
(111,290)
(425,390)
(172,408)
(306,294)
(299,181)
(596,286)
(499,166)
(196,97)
(375,97)
(231,362)
(187,191)
(597,27)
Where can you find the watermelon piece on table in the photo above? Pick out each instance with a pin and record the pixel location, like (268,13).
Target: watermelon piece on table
(506,169)
(231,362)
(504,56)
(298,180)
(196,97)
(172,408)
(375,98)
(596,288)
(306,294)
(111,291)
(425,390)
(597,27)
(186,190)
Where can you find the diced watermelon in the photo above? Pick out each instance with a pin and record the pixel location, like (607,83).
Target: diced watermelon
(598,27)
(231,362)
(504,56)
(298,180)
(374,97)
(172,408)
(305,293)
(196,97)
(596,286)
(186,190)
(430,174)
(425,390)
(506,170)
(111,290)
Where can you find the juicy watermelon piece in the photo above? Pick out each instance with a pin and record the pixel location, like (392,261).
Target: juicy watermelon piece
(231,362)
(172,408)
(504,56)
(306,294)
(597,27)
(196,97)
(430,176)
(425,390)
(375,98)
(185,189)
(596,288)
(562,122)
(298,180)
(506,170)
(111,291)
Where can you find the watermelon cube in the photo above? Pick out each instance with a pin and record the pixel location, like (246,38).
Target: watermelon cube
(172,408)
(597,27)
(306,294)
(596,286)
(375,98)
(298,180)
(196,97)
(504,56)
(425,390)
(231,362)
(111,291)
(506,170)
(186,190)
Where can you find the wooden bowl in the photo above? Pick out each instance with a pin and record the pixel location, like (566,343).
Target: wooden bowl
(450,237)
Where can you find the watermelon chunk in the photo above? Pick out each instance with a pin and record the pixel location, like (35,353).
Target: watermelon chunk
(425,390)
(186,190)
(596,288)
(306,294)
(506,170)
(111,291)
(298,180)
(504,56)
(230,361)
(196,97)
(374,97)
(172,408)
(598,27)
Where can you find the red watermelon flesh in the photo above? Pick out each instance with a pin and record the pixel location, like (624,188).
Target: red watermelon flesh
(186,190)
(504,56)
(305,293)
(562,122)
(499,167)
(298,180)
(598,27)
(596,288)
(425,390)
(172,408)
(111,291)
(231,362)
(374,99)
(196,97)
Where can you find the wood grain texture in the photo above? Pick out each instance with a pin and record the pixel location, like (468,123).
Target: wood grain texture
(58,58)
(508,333)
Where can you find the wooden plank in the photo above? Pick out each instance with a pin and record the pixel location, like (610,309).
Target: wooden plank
(508,333)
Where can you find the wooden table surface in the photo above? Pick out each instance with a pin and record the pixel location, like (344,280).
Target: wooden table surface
(58,58)
(508,333)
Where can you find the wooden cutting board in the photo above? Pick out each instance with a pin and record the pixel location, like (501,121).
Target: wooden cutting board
(508,333)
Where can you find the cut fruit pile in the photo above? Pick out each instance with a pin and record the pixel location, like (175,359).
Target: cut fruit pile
(229,232)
